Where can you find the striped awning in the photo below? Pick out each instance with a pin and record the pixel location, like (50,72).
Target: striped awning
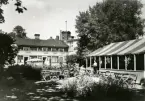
(121,48)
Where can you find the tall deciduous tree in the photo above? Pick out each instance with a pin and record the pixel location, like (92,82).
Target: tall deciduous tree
(19,31)
(8,51)
(19,8)
(109,21)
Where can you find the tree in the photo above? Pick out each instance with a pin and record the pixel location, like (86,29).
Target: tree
(8,51)
(109,21)
(18,4)
(71,59)
(18,31)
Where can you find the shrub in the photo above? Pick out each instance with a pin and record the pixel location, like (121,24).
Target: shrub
(142,82)
(24,71)
(85,87)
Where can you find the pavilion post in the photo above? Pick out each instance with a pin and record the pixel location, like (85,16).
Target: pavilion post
(125,63)
(99,62)
(90,61)
(144,61)
(134,62)
(118,62)
(111,62)
(86,62)
(105,62)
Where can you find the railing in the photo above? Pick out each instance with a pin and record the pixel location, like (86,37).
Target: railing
(128,79)
(54,74)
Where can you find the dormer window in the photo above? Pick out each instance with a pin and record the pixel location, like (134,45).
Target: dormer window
(26,48)
(44,49)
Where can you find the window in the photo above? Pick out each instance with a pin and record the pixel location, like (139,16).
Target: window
(26,48)
(39,57)
(48,49)
(48,58)
(20,58)
(66,50)
(54,49)
(130,62)
(102,62)
(33,57)
(54,59)
(44,49)
(60,60)
(61,49)
(121,62)
(108,62)
(39,49)
(33,49)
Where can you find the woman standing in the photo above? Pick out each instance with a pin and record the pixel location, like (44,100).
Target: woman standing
(95,65)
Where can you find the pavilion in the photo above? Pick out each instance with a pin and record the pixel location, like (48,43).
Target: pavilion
(125,56)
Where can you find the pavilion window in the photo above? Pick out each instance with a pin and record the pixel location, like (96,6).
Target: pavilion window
(121,62)
(130,62)
(139,61)
(108,62)
(114,62)
(102,62)
(97,60)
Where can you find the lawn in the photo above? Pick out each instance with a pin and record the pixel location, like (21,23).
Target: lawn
(29,90)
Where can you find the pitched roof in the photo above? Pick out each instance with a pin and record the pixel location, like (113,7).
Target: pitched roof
(121,48)
(71,40)
(41,43)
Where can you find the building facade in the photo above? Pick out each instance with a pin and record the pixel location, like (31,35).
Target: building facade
(51,51)
(70,41)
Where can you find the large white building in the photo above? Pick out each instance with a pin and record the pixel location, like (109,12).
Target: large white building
(51,51)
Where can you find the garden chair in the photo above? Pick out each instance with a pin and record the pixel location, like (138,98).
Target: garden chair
(107,74)
(132,80)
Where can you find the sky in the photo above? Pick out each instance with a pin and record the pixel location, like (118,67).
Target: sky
(47,17)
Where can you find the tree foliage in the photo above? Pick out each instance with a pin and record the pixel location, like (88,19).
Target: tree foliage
(8,49)
(109,21)
(19,32)
(71,59)
(19,8)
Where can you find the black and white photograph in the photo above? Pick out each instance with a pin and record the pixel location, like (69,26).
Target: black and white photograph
(72,50)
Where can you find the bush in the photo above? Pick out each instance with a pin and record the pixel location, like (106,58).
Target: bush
(24,71)
(85,87)
(142,82)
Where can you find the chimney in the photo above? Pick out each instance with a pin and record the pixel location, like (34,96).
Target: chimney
(37,36)
(57,37)
(50,38)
